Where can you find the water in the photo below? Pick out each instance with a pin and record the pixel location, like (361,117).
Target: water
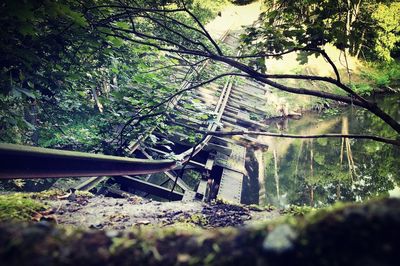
(319,172)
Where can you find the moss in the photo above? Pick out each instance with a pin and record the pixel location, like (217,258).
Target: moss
(255,207)
(54,193)
(297,210)
(18,206)
(23,206)
(355,234)
(196,219)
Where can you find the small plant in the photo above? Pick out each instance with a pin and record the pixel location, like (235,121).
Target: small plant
(363,89)
(295,210)
(331,112)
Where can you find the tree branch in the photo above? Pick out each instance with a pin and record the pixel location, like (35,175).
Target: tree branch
(161,44)
(204,30)
(283,135)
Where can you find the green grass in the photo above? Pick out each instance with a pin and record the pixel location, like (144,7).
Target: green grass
(22,206)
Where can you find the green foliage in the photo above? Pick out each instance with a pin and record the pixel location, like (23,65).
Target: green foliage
(295,210)
(348,25)
(329,112)
(191,178)
(384,75)
(362,88)
(207,9)
(68,82)
(18,206)
(388,32)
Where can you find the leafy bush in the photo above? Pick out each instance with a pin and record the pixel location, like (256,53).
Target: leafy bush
(362,88)
(383,75)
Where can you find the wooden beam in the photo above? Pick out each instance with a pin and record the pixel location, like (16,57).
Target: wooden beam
(170,175)
(90,183)
(150,188)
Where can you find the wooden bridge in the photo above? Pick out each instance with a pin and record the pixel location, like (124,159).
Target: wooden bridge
(237,104)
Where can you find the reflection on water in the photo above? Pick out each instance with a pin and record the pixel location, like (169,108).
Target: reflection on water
(318,172)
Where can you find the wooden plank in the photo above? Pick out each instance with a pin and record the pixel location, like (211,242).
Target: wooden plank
(210,161)
(188,195)
(170,175)
(150,188)
(90,183)
(218,148)
(236,160)
(201,190)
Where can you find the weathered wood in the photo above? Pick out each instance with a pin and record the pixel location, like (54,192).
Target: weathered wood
(210,161)
(201,189)
(149,188)
(170,175)
(90,183)
(218,148)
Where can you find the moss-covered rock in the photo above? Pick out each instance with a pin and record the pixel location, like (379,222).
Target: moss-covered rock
(22,206)
(364,234)
(18,206)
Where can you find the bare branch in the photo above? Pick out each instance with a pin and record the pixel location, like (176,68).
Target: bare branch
(322,52)
(204,30)
(283,135)
(264,54)
(178,33)
(264,78)
(138,9)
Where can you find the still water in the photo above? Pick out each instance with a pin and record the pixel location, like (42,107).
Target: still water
(319,172)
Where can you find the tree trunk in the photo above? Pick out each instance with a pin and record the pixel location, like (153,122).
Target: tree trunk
(261,176)
(360,44)
(311,175)
(97,101)
(276,175)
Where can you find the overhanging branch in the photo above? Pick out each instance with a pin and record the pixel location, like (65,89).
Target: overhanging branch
(293,136)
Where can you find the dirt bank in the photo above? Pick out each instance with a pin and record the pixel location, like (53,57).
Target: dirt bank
(351,235)
(119,214)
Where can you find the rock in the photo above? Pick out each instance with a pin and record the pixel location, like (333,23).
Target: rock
(142,222)
(96,226)
(280,239)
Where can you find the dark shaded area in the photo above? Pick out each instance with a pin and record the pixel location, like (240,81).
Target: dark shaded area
(250,181)
(242,2)
(222,215)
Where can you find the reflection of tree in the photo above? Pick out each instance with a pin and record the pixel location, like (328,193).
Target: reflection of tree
(328,170)
(311,186)
(276,175)
(346,145)
(261,175)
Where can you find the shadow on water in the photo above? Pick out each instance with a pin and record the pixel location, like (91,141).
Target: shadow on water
(319,172)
